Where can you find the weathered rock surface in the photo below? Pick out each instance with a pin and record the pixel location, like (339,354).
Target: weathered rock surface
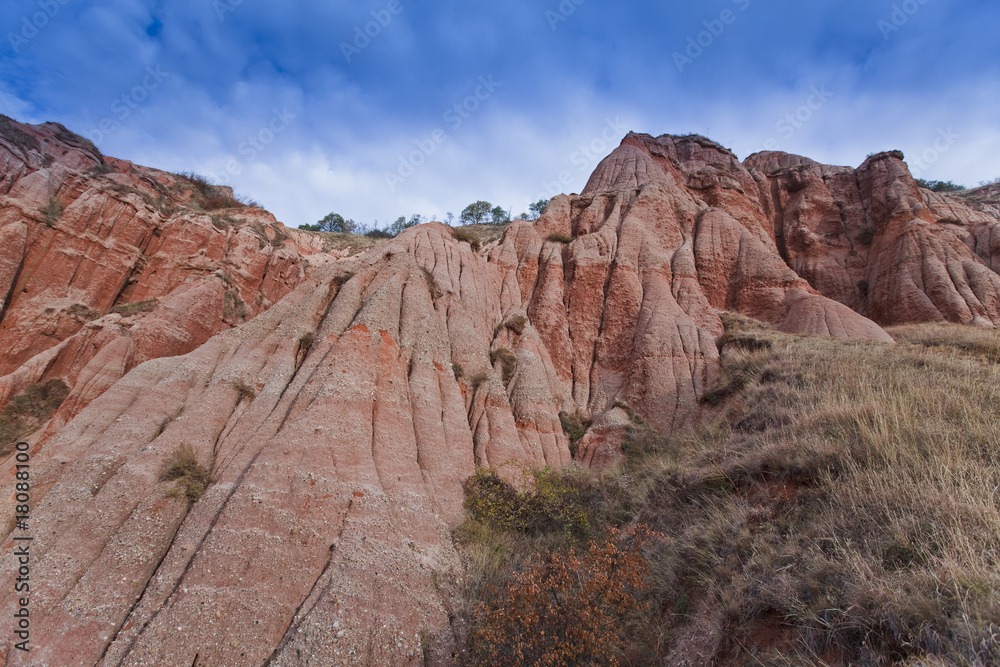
(340,403)
(106,264)
(871,239)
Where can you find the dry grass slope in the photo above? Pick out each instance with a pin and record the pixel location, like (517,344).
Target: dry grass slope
(836,503)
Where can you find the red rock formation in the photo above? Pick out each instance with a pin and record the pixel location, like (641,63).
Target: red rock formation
(84,237)
(342,408)
(873,240)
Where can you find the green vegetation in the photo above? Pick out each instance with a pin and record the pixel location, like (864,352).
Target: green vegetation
(838,501)
(560,238)
(192,478)
(551,502)
(477,213)
(457,369)
(538,208)
(575,427)
(28,410)
(332,222)
(335,223)
(940,186)
(498,216)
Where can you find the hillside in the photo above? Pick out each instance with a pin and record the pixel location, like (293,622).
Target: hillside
(836,504)
(251,444)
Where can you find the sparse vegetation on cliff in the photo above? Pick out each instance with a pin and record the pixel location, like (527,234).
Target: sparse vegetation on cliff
(52,211)
(192,478)
(28,410)
(136,307)
(940,186)
(507,361)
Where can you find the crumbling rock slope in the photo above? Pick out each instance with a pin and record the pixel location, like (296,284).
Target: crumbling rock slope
(340,403)
(106,264)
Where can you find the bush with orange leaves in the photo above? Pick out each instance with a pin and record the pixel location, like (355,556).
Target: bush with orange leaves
(565,608)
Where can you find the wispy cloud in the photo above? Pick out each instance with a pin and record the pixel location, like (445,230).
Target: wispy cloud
(353,118)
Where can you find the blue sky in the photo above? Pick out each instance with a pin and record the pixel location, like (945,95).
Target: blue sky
(318,106)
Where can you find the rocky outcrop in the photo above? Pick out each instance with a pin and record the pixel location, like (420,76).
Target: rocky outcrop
(873,240)
(107,264)
(339,401)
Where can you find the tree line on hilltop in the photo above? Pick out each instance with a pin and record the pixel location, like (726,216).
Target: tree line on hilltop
(477,213)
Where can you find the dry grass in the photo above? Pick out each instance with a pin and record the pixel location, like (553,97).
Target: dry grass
(950,337)
(245,390)
(507,361)
(82,312)
(52,211)
(306,342)
(478,236)
(233,308)
(463,234)
(478,379)
(136,307)
(352,244)
(840,500)
(26,142)
(516,323)
(208,196)
(192,478)
(28,410)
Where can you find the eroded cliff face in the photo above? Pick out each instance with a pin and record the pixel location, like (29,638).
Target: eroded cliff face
(106,265)
(341,409)
(873,240)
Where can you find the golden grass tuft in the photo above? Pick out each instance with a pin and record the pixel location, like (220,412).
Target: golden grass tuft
(192,478)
